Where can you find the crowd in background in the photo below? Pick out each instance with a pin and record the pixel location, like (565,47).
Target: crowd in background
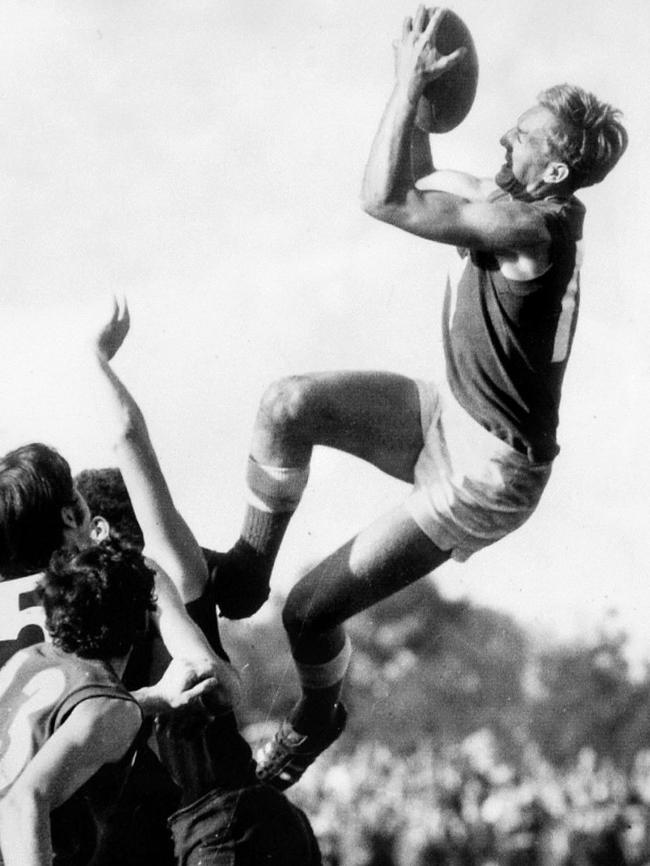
(461,807)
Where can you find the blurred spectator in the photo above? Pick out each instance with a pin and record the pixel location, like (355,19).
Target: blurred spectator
(465,807)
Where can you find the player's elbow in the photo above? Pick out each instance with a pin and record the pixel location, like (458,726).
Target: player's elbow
(375,201)
(129,426)
(403,211)
(382,209)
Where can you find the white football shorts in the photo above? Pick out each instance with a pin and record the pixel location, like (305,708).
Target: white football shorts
(470,488)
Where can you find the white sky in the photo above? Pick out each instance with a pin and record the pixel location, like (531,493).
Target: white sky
(205,158)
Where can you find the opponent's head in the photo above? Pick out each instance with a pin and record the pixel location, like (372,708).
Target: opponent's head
(40,509)
(96,600)
(105,492)
(569,140)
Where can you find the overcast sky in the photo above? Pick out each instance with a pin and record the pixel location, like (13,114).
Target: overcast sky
(205,158)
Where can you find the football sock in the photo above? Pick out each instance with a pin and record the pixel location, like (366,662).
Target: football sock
(321,685)
(245,571)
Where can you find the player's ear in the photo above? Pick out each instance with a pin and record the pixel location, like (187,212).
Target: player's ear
(99,529)
(556,172)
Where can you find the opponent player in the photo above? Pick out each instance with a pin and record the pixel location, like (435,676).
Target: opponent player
(478,447)
(67,724)
(226,815)
(40,510)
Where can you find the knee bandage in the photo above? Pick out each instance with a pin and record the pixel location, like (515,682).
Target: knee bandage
(275,488)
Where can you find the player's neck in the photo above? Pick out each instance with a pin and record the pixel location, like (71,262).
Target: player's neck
(118,664)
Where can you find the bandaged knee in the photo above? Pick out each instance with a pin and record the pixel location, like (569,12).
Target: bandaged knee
(275,489)
(327,674)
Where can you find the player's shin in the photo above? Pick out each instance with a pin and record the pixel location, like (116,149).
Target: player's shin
(243,574)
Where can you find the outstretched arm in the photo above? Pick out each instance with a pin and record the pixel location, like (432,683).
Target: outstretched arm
(176,555)
(448,207)
(168,539)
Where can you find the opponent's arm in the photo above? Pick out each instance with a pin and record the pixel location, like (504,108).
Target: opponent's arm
(181,572)
(97,732)
(389,192)
(168,539)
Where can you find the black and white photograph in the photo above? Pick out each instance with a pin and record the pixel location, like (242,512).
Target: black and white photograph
(323,448)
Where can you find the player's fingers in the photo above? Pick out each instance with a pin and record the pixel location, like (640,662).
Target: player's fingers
(125,314)
(419,21)
(407,26)
(435,21)
(452,59)
(195,695)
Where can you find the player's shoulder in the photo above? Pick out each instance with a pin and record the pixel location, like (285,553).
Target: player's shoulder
(111,723)
(565,211)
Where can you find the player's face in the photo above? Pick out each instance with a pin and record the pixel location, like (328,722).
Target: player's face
(84,530)
(83,519)
(528,150)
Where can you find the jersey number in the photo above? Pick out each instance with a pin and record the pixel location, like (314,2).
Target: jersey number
(41,691)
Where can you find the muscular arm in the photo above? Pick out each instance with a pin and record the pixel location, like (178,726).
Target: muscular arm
(449,207)
(97,732)
(390,195)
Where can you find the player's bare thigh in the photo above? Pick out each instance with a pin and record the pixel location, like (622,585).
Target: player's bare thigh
(372,415)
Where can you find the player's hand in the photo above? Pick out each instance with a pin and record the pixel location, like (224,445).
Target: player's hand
(417,60)
(112,332)
(192,693)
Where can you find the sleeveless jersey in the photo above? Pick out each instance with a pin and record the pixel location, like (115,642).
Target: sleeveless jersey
(39,688)
(507,342)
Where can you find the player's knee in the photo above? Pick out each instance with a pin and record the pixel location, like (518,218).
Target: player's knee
(285,403)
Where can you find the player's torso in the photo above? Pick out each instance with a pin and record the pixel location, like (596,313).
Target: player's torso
(507,342)
(39,687)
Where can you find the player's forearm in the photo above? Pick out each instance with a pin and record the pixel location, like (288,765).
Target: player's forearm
(168,539)
(182,637)
(25,830)
(388,178)
(421,159)
(122,420)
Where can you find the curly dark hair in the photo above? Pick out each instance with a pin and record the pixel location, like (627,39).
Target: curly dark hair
(590,137)
(96,600)
(35,484)
(105,492)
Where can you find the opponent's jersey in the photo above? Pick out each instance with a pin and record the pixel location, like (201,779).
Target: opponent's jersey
(219,759)
(22,619)
(39,687)
(507,342)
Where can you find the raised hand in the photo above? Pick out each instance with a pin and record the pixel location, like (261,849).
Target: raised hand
(112,333)
(190,694)
(417,60)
